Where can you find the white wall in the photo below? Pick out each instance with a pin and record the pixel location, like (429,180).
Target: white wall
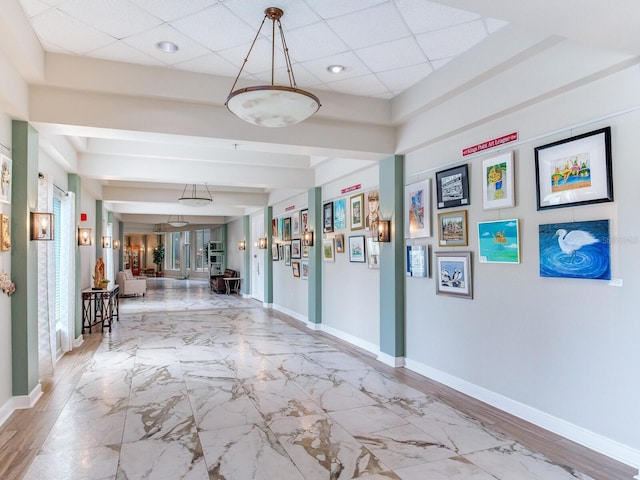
(235,257)
(87,253)
(53,170)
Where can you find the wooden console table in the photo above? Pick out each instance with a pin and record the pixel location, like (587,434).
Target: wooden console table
(232,284)
(100,306)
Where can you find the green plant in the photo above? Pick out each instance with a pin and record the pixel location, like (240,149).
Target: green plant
(158,256)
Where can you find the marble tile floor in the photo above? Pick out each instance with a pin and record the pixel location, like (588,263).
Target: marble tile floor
(194,385)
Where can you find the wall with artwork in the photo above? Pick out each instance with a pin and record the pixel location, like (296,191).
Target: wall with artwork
(555,345)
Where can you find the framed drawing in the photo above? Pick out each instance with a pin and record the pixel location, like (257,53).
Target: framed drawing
(453,274)
(287,255)
(304,220)
(417,261)
(305,251)
(280,251)
(499,241)
(304,270)
(575,250)
(373,253)
(356,203)
(417,209)
(373,210)
(357,249)
(5,179)
(295,266)
(327,250)
(295,223)
(339,243)
(327,224)
(296,248)
(497,181)
(452,187)
(339,214)
(575,171)
(275,256)
(5,233)
(286,229)
(274,228)
(452,229)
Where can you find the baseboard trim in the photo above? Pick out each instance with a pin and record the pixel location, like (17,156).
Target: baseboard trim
(291,313)
(20,402)
(395,362)
(353,340)
(78,341)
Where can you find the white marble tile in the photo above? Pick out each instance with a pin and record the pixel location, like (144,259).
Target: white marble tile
(156,356)
(104,383)
(281,398)
(366,420)
(456,468)
(154,378)
(222,407)
(333,393)
(337,361)
(379,386)
(99,463)
(297,364)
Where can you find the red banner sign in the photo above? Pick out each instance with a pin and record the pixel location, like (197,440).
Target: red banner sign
(496,142)
(289,208)
(351,188)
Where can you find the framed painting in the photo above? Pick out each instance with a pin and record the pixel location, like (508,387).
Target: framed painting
(575,171)
(339,239)
(357,252)
(275,256)
(286,229)
(499,241)
(295,266)
(453,274)
(339,214)
(373,253)
(5,233)
(417,209)
(327,215)
(452,229)
(417,261)
(498,189)
(327,250)
(274,228)
(280,251)
(304,220)
(296,248)
(5,179)
(373,210)
(452,187)
(356,203)
(575,250)
(304,270)
(305,251)
(287,255)
(295,223)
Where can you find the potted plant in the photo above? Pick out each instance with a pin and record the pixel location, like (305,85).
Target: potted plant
(158,258)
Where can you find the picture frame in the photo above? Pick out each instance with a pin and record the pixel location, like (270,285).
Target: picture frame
(417,209)
(296,248)
(275,256)
(304,220)
(304,270)
(327,215)
(373,253)
(452,229)
(499,241)
(356,208)
(328,250)
(339,214)
(305,251)
(295,268)
(372,209)
(453,274)
(295,223)
(280,251)
(575,171)
(339,239)
(6,179)
(498,188)
(452,187)
(274,228)
(417,261)
(357,252)
(5,233)
(287,255)
(286,229)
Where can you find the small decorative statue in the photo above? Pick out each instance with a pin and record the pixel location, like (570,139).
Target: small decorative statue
(98,274)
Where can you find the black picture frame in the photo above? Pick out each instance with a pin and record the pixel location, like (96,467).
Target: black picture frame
(452,187)
(296,248)
(327,216)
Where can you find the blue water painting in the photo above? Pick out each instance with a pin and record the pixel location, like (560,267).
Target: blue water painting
(499,241)
(575,250)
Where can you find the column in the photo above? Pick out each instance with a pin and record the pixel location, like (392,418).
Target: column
(268,260)
(245,272)
(74,185)
(315,258)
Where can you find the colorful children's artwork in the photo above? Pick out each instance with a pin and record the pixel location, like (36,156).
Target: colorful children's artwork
(339,214)
(417,210)
(498,186)
(499,241)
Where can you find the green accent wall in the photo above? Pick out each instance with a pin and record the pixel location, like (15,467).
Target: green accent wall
(121,249)
(246,256)
(74,183)
(315,256)
(99,230)
(268,259)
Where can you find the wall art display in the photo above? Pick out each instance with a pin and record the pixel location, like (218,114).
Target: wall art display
(280,251)
(327,223)
(305,251)
(295,223)
(575,171)
(287,255)
(5,233)
(497,181)
(327,250)
(417,261)
(417,209)
(274,252)
(452,229)
(340,214)
(356,249)
(274,228)
(356,203)
(295,267)
(339,243)
(304,220)
(575,250)
(452,187)
(304,270)
(499,241)
(373,253)
(5,179)
(373,210)
(453,274)
(296,248)
(286,229)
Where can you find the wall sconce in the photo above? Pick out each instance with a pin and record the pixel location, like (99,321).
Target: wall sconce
(42,226)
(84,237)
(242,245)
(106,242)
(262,243)
(384,230)
(116,244)
(307,239)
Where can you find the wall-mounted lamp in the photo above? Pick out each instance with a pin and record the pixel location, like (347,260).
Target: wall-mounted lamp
(242,245)
(106,242)
(85,237)
(42,226)
(307,239)
(384,231)
(116,244)
(262,243)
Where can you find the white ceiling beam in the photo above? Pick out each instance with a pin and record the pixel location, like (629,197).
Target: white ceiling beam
(152,195)
(166,209)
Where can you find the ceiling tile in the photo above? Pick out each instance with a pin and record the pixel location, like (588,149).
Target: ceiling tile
(451,41)
(388,56)
(296,13)
(169,10)
(493,25)
(368,85)
(423,16)
(353,67)
(336,8)
(34,7)
(403,78)
(258,61)
(146,42)
(313,41)
(212,64)
(121,52)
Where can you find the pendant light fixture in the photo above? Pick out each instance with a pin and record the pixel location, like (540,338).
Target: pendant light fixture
(193,199)
(178,222)
(272,105)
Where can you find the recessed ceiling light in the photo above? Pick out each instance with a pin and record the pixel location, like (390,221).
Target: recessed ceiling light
(167,46)
(335,68)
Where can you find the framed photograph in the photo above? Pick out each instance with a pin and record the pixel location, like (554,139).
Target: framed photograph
(357,249)
(287,255)
(280,251)
(417,261)
(575,250)
(295,266)
(499,241)
(339,214)
(497,181)
(339,239)
(575,171)
(327,223)
(304,270)
(304,220)
(452,229)
(417,209)
(5,179)
(453,274)
(356,203)
(5,233)
(286,229)
(305,251)
(295,223)
(274,228)
(373,210)
(452,187)
(373,253)
(327,250)
(274,252)
(296,248)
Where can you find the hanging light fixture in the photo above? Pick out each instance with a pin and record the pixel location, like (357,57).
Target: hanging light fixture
(178,222)
(272,105)
(193,199)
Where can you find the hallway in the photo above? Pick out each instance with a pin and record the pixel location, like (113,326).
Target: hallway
(194,385)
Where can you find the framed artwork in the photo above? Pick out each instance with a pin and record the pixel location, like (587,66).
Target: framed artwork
(453,274)
(452,229)
(286,232)
(327,250)
(373,253)
(417,209)
(295,266)
(499,241)
(339,239)
(357,249)
(498,188)
(5,233)
(373,210)
(280,251)
(452,187)
(575,171)
(296,248)
(281,227)
(274,228)
(274,252)
(287,255)
(304,220)
(417,261)
(356,203)
(327,223)
(295,223)
(575,250)
(339,214)
(5,179)
(305,251)
(304,270)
